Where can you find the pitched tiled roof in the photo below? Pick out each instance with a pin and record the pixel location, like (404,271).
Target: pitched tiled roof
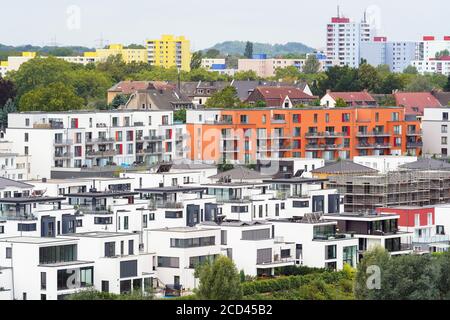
(415,102)
(443,97)
(352,96)
(129,87)
(426,164)
(344,166)
(240,173)
(283,92)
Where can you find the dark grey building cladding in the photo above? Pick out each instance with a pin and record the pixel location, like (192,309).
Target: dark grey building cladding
(192,215)
(69,224)
(211,212)
(48,226)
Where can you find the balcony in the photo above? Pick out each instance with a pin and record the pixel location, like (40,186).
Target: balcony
(278,121)
(275,263)
(327,134)
(373,134)
(94,210)
(315,147)
(416,144)
(149,151)
(63,155)
(63,142)
(165,205)
(154,138)
(414,133)
(334,146)
(373,146)
(101,154)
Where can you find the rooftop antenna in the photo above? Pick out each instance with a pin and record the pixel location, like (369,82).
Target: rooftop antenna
(101,42)
(365,16)
(338,12)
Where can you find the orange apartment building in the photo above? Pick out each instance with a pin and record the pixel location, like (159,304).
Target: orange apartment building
(245,135)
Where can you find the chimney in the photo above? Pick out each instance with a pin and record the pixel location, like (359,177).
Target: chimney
(328,91)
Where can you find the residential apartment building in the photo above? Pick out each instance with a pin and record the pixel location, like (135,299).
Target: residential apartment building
(247,135)
(209,63)
(170,51)
(344,39)
(436,133)
(14,62)
(435,65)
(430,46)
(266,68)
(100,55)
(92,138)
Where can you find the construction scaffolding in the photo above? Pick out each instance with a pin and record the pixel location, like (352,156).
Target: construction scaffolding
(398,188)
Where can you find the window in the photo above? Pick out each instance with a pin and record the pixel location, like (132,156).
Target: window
(330,252)
(103,220)
(23,227)
(144,221)
(238,209)
(261,234)
(395,116)
(443,140)
(110,249)
(445,116)
(125,223)
(128,269)
(26,137)
(168,262)
(300,204)
(2,229)
(8,253)
(56,254)
(43,280)
(223,237)
(174,214)
(193,242)
(27,122)
(444,129)
(105,286)
(130,247)
(349,255)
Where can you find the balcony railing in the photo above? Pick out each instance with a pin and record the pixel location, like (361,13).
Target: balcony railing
(373,134)
(106,153)
(373,146)
(315,147)
(325,134)
(414,133)
(63,142)
(63,155)
(416,144)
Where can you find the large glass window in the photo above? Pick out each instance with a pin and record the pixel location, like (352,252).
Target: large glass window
(349,255)
(193,242)
(66,280)
(261,234)
(168,262)
(330,252)
(196,261)
(110,249)
(58,254)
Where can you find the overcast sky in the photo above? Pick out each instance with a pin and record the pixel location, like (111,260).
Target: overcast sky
(206,22)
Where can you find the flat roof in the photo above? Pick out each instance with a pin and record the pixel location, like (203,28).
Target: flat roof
(170,189)
(99,234)
(101,194)
(235,184)
(184,229)
(37,240)
(365,216)
(25,200)
(65,264)
(295,180)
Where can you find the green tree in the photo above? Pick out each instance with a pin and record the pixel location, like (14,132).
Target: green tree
(248,53)
(180,115)
(312,65)
(92,294)
(419,84)
(212,54)
(410,70)
(226,98)
(340,103)
(196,60)
(7,91)
(219,280)
(9,107)
(443,53)
(54,97)
(447,85)
(90,83)
(368,77)
(391,83)
(288,74)
(119,100)
(340,79)
(245,75)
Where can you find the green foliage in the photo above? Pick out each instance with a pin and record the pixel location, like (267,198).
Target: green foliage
(443,53)
(119,100)
(56,96)
(223,167)
(9,107)
(97,295)
(297,271)
(225,98)
(196,60)
(272,50)
(180,116)
(212,54)
(340,103)
(7,91)
(248,53)
(410,70)
(135,46)
(288,74)
(219,280)
(246,75)
(312,65)
(447,85)
(340,79)
(368,77)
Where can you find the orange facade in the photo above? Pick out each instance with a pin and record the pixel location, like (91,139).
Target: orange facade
(246,135)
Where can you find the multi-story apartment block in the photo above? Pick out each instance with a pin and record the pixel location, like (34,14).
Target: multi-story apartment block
(399,54)
(435,65)
(436,133)
(92,138)
(344,39)
(209,63)
(318,243)
(430,46)
(14,62)
(170,51)
(266,68)
(250,134)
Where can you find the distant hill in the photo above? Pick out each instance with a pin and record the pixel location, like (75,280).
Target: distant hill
(6,50)
(238,48)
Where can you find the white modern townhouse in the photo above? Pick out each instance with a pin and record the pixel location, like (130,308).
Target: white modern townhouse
(253,246)
(318,243)
(120,266)
(86,139)
(39,268)
(436,131)
(180,251)
(374,229)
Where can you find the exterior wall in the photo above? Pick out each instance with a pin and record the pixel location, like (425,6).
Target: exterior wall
(214,137)
(384,164)
(399,54)
(207,63)
(145,138)
(373,52)
(432,66)
(266,68)
(436,131)
(170,51)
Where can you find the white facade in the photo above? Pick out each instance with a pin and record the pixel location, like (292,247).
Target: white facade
(432,66)
(180,250)
(207,63)
(436,131)
(317,243)
(266,68)
(92,139)
(399,54)
(384,164)
(430,46)
(344,39)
